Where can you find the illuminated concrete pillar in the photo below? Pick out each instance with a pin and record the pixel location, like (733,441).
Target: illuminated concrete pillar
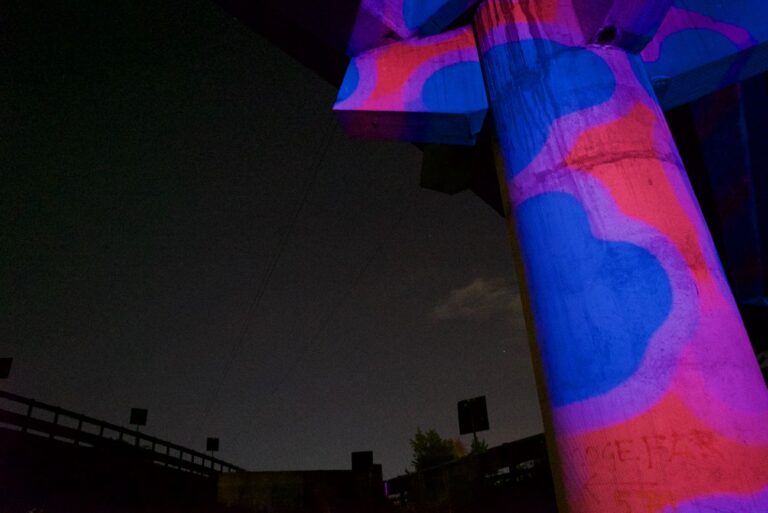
(651,390)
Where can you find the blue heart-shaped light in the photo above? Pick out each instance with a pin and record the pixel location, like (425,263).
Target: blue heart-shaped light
(596,303)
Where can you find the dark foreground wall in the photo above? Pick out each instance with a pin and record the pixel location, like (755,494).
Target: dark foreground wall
(513,477)
(43,475)
(322,491)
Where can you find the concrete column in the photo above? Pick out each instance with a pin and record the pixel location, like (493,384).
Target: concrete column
(651,394)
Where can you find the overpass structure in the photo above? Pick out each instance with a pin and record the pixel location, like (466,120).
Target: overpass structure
(553,111)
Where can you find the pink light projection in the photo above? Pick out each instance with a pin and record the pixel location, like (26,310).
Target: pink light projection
(381,22)
(656,399)
(421,90)
(699,47)
(704,45)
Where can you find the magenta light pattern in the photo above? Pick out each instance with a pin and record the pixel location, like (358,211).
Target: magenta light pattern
(381,22)
(701,46)
(704,45)
(435,82)
(657,401)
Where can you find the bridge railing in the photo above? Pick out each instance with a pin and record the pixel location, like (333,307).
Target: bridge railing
(45,420)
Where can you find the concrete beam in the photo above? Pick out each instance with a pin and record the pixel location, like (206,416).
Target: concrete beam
(426,90)
(705,45)
(381,22)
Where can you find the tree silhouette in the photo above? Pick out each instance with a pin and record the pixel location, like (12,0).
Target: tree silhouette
(430,449)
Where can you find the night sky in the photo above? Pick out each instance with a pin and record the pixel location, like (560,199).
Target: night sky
(185,228)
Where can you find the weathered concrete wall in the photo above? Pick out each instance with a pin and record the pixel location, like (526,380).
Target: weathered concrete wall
(40,474)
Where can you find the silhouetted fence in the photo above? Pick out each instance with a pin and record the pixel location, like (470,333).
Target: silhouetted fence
(514,476)
(40,419)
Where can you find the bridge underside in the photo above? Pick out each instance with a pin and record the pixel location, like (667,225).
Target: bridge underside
(720,137)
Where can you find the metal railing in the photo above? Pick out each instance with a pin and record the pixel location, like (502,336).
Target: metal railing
(91,432)
(510,465)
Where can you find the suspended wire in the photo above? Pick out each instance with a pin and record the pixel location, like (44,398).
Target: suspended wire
(256,302)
